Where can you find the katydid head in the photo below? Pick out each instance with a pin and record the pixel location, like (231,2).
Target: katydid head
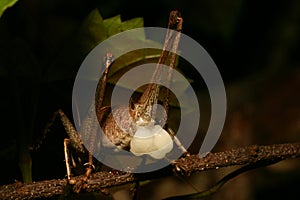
(141,114)
(149,139)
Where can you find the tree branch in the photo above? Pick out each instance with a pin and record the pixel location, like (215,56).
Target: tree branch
(186,165)
(239,156)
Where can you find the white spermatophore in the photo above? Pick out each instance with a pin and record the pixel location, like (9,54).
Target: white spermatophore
(152,140)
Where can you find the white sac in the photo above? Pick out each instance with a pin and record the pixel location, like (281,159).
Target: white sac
(151,140)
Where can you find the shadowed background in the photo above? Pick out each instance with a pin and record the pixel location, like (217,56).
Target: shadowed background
(254,44)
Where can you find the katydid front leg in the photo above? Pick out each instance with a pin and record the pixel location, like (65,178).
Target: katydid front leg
(88,130)
(90,124)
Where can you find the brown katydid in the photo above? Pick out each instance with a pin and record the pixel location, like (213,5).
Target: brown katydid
(124,135)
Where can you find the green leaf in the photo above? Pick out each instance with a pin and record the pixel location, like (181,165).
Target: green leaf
(92,31)
(108,28)
(133,23)
(114,25)
(95,30)
(4,4)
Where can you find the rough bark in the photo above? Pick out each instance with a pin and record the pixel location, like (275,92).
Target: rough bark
(186,165)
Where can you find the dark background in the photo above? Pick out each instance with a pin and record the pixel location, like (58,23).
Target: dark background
(250,41)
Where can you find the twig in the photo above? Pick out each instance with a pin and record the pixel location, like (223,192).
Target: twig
(239,156)
(187,165)
(50,188)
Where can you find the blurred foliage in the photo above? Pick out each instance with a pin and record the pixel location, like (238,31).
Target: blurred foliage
(4,4)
